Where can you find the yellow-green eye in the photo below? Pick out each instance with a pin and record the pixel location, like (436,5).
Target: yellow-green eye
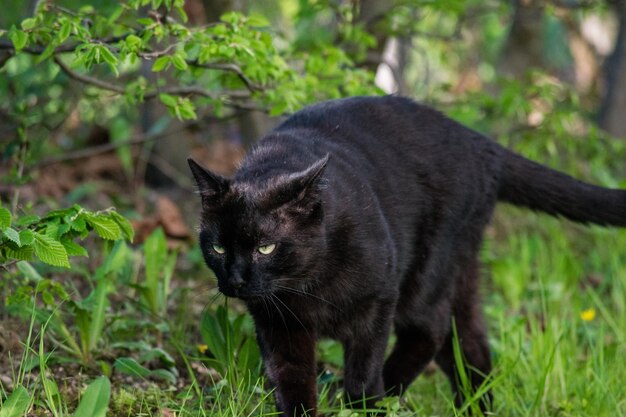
(267,249)
(219,249)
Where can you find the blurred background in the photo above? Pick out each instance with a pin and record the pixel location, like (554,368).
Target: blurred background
(521,71)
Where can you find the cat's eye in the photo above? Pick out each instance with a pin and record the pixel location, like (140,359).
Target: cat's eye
(267,249)
(219,249)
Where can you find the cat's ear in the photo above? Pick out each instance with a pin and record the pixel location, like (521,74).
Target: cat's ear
(300,188)
(210,186)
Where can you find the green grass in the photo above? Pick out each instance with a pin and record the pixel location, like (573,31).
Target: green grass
(540,275)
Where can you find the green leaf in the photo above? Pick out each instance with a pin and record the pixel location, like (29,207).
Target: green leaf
(19,38)
(24,253)
(104,226)
(179,62)
(258,20)
(50,251)
(95,400)
(28,24)
(79,224)
(133,41)
(73,248)
(16,404)
(168,100)
(26,237)
(115,260)
(124,224)
(155,253)
(13,236)
(5,218)
(27,220)
(163,374)
(64,32)
(109,58)
(131,367)
(161,63)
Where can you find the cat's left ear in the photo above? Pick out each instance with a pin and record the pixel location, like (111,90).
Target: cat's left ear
(299,188)
(211,186)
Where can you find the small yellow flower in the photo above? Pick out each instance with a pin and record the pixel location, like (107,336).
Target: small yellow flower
(202,348)
(588,315)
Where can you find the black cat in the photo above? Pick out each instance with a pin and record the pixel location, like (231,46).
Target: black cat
(360,215)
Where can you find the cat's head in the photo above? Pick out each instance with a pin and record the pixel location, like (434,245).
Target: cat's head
(262,236)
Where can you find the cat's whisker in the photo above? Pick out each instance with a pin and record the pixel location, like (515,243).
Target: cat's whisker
(305,294)
(277,308)
(293,314)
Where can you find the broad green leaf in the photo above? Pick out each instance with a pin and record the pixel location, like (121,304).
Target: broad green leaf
(25,253)
(98,313)
(26,237)
(129,366)
(73,248)
(179,62)
(5,218)
(108,56)
(115,260)
(13,236)
(155,253)
(157,353)
(27,220)
(29,23)
(19,38)
(95,400)
(124,224)
(168,100)
(163,374)
(79,224)
(16,404)
(161,63)
(213,336)
(64,32)
(104,226)
(50,251)
(133,41)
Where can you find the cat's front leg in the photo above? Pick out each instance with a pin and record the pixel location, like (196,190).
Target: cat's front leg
(364,353)
(289,360)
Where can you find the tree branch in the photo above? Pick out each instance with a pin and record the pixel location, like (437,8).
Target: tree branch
(179,91)
(107,147)
(228,67)
(86,79)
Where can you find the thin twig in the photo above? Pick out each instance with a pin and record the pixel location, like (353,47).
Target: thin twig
(180,91)
(157,54)
(107,147)
(86,79)
(227,67)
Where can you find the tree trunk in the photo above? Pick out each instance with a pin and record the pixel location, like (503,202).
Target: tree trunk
(613,108)
(523,48)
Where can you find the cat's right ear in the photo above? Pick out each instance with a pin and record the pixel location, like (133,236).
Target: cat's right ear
(210,186)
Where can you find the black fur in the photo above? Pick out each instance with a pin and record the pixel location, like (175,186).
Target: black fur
(377,207)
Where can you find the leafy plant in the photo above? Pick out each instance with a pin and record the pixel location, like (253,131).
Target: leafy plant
(95,400)
(16,404)
(159,267)
(60,309)
(232,347)
(52,238)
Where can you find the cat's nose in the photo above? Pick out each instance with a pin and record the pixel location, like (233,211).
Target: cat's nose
(236,281)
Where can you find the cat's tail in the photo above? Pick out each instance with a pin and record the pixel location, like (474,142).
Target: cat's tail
(526,183)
